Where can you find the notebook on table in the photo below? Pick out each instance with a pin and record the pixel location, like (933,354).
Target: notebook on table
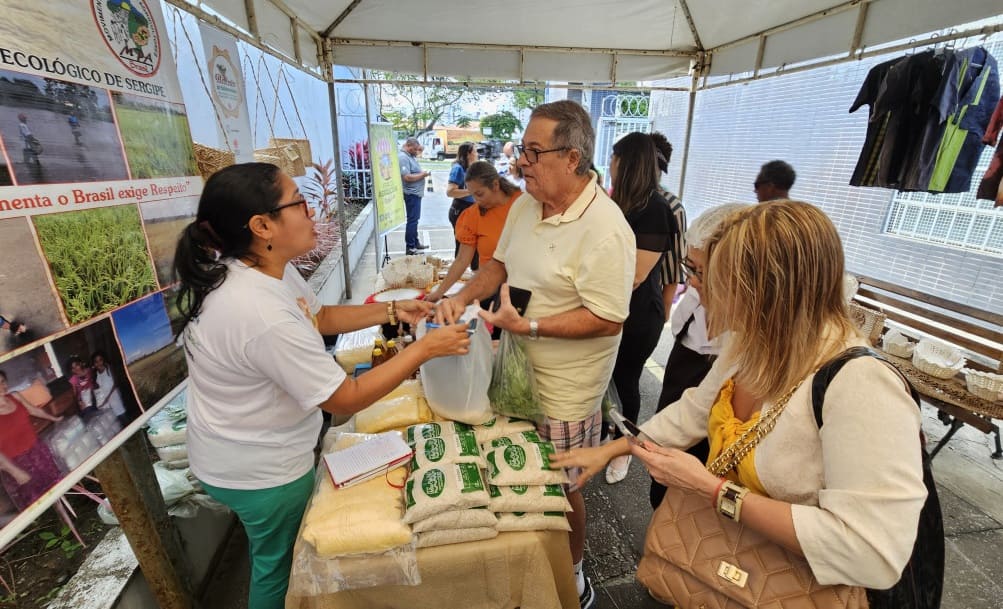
(367,459)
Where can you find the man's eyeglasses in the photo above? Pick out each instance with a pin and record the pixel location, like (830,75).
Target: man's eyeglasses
(532,154)
(691,270)
(303,202)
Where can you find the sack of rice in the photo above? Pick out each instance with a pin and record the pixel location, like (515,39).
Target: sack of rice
(524,464)
(533,521)
(456,519)
(523,437)
(457,448)
(548,498)
(410,387)
(435,429)
(500,426)
(353,348)
(365,518)
(393,414)
(444,487)
(442,538)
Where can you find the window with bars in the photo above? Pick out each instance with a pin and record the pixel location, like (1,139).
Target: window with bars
(953,220)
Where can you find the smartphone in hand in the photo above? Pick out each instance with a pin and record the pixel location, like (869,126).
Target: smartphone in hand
(519,299)
(630,431)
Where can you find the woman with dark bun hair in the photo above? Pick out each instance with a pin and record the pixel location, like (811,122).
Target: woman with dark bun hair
(259,375)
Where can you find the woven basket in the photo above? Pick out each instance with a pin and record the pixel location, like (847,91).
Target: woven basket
(302,145)
(928,356)
(287,158)
(211,160)
(895,343)
(985,385)
(870,322)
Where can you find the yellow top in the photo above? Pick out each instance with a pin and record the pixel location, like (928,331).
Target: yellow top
(723,429)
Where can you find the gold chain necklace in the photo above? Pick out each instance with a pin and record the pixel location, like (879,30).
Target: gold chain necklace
(738,450)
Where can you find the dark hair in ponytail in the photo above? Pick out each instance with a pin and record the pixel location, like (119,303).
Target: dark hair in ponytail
(231,197)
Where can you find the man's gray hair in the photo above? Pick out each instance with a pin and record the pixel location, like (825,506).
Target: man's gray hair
(573,131)
(709,222)
(412,141)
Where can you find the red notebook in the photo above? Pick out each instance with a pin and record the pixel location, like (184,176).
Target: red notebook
(367,459)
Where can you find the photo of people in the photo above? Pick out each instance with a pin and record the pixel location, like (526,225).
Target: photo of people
(58,132)
(164,221)
(156,364)
(59,403)
(5,179)
(98,258)
(29,308)
(157,140)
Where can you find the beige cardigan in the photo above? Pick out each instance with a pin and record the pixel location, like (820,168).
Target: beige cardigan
(856,485)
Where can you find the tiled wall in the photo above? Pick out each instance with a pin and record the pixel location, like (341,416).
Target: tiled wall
(803,119)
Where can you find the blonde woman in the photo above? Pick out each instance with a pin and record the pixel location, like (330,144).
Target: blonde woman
(846,496)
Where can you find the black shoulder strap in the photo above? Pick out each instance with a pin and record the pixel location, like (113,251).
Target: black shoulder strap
(829,371)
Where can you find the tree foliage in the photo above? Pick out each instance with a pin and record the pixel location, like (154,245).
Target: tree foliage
(527,99)
(503,125)
(413,109)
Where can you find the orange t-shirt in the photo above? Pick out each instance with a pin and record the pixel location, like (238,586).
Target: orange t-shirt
(483,231)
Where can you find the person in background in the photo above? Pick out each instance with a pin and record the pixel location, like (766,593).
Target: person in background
(774,181)
(480,226)
(27,467)
(28,139)
(693,351)
(634,176)
(16,328)
(259,375)
(568,244)
(671,266)
(846,496)
(413,178)
(506,161)
(106,391)
(457,188)
(514,175)
(82,380)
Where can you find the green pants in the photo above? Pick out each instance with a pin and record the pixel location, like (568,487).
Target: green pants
(271,518)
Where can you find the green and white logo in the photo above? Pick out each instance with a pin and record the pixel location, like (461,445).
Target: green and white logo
(515,456)
(433,482)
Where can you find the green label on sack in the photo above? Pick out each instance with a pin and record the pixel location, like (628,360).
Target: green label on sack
(414,462)
(409,493)
(470,477)
(466,442)
(515,456)
(462,427)
(433,482)
(546,450)
(494,491)
(553,490)
(518,514)
(531,436)
(499,442)
(554,514)
(492,465)
(519,489)
(435,449)
(490,423)
(431,430)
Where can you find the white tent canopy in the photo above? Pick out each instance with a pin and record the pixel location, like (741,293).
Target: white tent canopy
(577,40)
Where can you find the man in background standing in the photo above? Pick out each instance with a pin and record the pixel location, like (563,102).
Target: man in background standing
(774,181)
(413,178)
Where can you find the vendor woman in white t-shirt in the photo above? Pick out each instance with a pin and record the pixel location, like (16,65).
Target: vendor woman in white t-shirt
(258,372)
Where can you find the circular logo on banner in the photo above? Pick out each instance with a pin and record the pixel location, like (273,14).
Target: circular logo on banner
(130,33)
(225,86)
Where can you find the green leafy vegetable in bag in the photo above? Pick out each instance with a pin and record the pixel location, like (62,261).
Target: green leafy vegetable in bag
(513,386)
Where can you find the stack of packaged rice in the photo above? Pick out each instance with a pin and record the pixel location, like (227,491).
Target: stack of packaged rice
(167,432)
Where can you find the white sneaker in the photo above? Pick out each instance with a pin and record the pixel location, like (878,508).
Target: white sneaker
(618,468)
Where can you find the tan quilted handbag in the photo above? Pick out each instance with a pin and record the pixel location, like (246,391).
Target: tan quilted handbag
(695,558)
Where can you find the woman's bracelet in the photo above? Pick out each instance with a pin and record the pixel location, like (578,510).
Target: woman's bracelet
(392,312)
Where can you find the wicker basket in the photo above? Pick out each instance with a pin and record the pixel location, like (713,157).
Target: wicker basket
(287,158)
(895,343)
(302,145)
(211,160)
(985,385)
(938,360)
(870,322)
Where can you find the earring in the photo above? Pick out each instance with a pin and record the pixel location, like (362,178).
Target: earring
(269,246)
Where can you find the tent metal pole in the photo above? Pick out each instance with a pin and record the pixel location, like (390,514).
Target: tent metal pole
(372,201)
(332,97)
(689,128)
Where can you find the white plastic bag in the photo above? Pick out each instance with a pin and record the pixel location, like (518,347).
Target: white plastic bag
(457,386)
(353,348)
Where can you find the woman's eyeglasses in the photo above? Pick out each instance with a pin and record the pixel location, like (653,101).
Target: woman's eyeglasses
(303,202)
(691,270)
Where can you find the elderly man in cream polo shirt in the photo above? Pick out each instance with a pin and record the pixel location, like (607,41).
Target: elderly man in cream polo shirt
(568,243)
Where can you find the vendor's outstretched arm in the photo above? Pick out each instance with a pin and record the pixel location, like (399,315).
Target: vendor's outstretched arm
(484,283)
(337,319)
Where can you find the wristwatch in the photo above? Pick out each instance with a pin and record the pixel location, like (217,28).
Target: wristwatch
(729,500)
(534,329)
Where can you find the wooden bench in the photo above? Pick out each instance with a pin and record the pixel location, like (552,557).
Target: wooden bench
(979,334)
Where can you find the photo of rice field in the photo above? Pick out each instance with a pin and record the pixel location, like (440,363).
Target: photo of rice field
(164,221)
(158,142)
(156,364)
(98,258)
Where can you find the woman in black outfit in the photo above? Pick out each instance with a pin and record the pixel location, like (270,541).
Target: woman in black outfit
(634,174)
(457,189)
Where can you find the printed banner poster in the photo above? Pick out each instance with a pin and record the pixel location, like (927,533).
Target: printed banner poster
(387,186)
(97,180)
(226,82)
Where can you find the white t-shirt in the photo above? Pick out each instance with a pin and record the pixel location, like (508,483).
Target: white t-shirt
(257,372)
(107,389)
(696,338)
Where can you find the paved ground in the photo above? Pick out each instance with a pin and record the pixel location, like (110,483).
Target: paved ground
(970,485)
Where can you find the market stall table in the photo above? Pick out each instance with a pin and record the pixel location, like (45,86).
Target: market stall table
(531,570)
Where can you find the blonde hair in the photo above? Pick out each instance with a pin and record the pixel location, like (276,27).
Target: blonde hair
(774,279)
